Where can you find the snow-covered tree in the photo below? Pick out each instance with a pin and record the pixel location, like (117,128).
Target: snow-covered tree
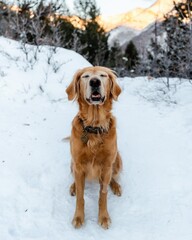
(174,57)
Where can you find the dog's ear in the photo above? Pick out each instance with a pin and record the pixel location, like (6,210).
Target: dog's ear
(73,88)
(115,89)
(116,74)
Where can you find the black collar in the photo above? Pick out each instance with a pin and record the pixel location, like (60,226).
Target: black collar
(90,129)
(94,130)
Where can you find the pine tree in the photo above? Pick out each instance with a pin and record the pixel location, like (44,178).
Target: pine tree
(174,57)
(178,45)
(92,36)
(132,56)
(115,56)
(177,25)
(63,33)
(184,16)
(157,64)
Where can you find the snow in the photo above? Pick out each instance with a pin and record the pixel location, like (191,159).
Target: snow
(154,137)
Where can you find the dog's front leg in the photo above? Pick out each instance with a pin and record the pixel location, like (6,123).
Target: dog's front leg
(104,218)
(78,219)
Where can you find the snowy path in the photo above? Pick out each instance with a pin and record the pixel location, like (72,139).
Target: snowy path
(157,170)
(35,173)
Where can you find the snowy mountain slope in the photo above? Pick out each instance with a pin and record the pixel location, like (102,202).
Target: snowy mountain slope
(139,18)
(136,25)
(154,140)
(142,40)
(122,35)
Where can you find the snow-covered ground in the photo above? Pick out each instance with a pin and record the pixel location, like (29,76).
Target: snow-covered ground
(154,137)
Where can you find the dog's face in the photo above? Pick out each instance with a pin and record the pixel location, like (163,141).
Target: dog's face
(95,85)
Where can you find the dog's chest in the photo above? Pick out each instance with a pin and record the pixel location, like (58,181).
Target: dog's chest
(93,171)
(94,143)
(94,147)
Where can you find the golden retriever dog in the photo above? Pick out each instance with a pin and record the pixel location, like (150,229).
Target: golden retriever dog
(93,138)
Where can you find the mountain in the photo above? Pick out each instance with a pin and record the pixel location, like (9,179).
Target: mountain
(143,39)
(138,25)
(139,18)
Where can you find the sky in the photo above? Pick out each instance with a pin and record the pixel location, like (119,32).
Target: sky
(111,7)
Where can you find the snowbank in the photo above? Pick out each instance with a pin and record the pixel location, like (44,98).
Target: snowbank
(48,74)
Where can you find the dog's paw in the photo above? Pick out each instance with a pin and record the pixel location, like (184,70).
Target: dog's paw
(104,222)
(116,188)
(78,222)
(72,190)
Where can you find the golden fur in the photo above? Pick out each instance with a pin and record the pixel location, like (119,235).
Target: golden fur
(97,156)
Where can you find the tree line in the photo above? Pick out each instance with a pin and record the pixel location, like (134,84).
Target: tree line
(52,23)
(172,55)
(39,22)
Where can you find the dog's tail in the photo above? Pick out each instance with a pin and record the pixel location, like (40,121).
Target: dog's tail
(66,139)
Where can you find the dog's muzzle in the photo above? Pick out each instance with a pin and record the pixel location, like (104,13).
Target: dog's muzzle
(95,97)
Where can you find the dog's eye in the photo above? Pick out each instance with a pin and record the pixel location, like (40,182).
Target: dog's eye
(103,75)
(85,76)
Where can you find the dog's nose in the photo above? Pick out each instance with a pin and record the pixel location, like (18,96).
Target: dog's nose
(94,82)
